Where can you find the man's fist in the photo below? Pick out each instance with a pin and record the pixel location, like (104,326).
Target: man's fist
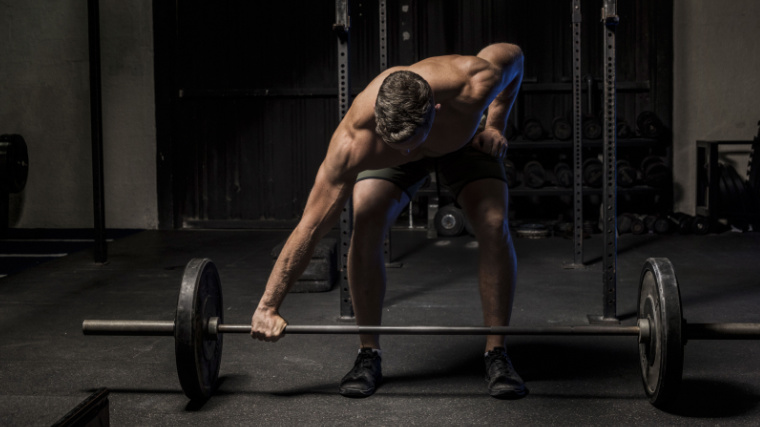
(267,325)
(492,142)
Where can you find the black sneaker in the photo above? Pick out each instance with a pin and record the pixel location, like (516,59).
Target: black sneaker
(364,378)
(503,381)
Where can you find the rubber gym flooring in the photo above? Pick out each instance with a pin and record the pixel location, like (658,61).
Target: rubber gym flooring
(47,366)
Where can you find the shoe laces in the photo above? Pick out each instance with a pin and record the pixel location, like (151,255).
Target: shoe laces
(498,358)
(364,360)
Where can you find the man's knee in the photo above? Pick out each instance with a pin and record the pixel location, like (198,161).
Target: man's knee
(375,202)
(491,225)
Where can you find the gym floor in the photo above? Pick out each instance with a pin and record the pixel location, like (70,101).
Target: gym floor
(48,366)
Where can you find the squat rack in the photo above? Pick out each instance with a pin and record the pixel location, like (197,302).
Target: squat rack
(609,20)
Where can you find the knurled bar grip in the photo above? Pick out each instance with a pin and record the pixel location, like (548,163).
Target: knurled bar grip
(695,331)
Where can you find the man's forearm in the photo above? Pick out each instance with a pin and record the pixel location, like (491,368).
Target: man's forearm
(499,110)
(291,263)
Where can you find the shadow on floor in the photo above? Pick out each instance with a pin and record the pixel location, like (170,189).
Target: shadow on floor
(713,399)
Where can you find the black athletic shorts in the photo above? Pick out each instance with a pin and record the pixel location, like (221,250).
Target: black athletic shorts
(454,170)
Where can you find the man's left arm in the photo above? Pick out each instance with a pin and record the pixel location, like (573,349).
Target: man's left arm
(508,60)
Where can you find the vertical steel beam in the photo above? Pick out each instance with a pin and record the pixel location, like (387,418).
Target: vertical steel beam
(610,20)
(96,125)
(383,32)
(6,169)
(342,27)
(577,138)
(383,39)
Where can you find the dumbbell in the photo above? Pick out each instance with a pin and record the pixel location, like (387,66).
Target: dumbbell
(630,223)
(657,224)
(591,128)
(563,174)
(593,172)
(532,129)
(654,171)
(562,128)
(534,174)
(626,174)
(649,125)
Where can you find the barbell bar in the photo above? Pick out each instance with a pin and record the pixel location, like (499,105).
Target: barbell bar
(695,331)
(199,326)
(166,328)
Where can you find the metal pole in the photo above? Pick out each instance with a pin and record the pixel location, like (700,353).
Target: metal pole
(341,27)
(577,138)
(383,38)
(610,20)
(96,124)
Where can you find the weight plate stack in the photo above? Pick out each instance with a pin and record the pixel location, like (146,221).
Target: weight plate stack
(532,231)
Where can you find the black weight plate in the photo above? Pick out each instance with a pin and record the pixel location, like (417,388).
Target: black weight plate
(662,356)
(18,157)
(449,221)
(740,189)
(198,355)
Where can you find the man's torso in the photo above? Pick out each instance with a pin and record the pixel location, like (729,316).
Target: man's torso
(463,85)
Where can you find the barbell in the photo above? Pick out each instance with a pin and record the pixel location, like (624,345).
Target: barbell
(198,328)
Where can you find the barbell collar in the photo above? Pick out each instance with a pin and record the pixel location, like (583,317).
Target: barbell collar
(128,327)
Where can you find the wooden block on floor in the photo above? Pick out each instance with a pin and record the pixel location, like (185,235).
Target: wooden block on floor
(322,271)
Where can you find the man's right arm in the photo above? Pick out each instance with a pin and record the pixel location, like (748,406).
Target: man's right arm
(332,189)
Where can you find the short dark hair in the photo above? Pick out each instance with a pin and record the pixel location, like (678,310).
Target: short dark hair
(404,104)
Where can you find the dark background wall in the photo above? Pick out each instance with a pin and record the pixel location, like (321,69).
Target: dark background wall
(256,85)
(45,96)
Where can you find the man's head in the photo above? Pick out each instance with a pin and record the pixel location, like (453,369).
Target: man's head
(404,109)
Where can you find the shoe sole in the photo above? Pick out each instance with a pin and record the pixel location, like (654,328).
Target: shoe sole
(347,392)
(508,395)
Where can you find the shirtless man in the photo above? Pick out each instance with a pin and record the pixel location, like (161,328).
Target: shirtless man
(407,122)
